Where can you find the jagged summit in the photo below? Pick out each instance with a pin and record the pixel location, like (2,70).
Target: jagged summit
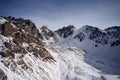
(65,31)
(113,27)
(19,36)
(109,36)
(46,32)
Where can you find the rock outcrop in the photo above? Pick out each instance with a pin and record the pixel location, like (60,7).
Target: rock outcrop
(66,31)
(19,36)
(2,75)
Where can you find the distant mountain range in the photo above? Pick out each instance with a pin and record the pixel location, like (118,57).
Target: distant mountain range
(109,36)
(29,53)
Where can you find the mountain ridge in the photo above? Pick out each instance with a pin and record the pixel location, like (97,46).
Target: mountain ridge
(29,53)
(93,33)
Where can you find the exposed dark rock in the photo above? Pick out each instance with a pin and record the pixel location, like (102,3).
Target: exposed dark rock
(115,43)
(3,54)
(2,75)
(6,29)
(80,36)
(66,31)
(46,32)
(7,45)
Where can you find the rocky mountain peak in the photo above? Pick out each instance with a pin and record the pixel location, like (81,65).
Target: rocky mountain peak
(47,33)
(109,36)
(66,31)
(20,36)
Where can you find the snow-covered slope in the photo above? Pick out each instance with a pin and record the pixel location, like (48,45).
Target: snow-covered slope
(28,53)
(102,43)
(69,65)
(98,45)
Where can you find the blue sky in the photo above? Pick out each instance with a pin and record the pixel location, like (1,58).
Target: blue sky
(59,13)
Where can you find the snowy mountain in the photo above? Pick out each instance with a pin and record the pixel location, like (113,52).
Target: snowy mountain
(109,36)
(103,44)
(92,40)
(29,53)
